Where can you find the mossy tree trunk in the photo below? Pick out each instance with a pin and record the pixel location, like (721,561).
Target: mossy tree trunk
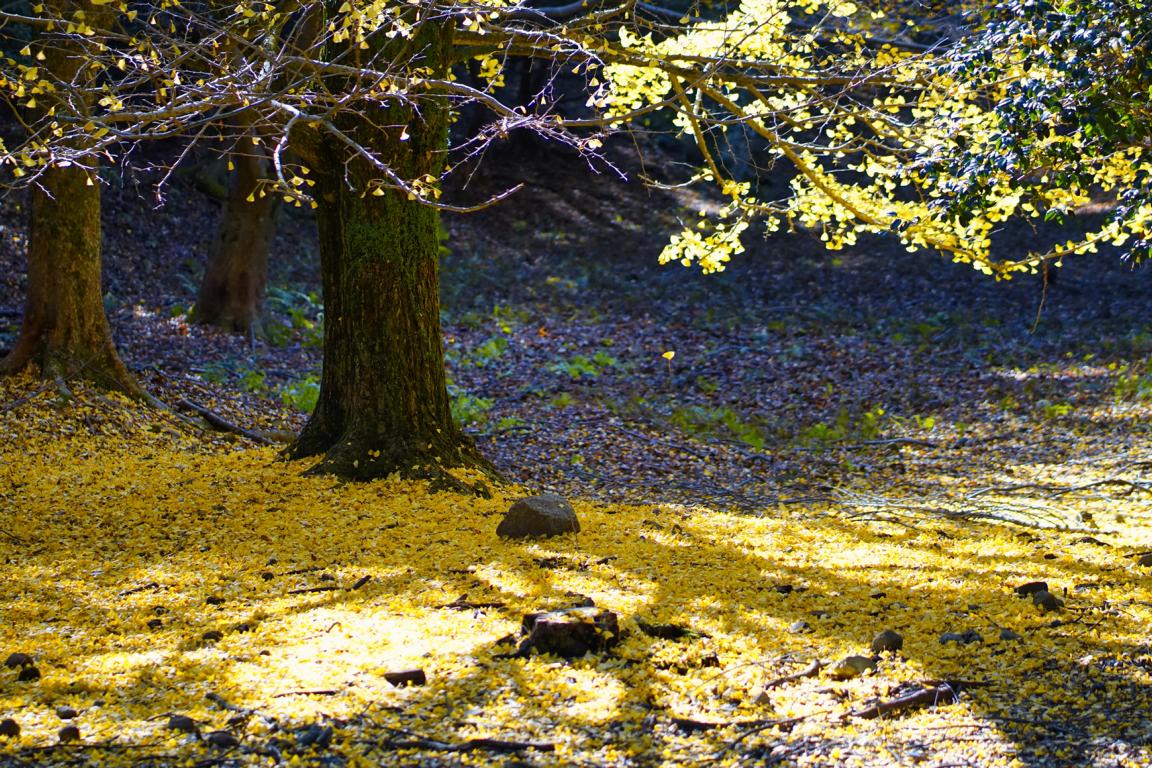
(231,295)
(64,329)
(383,404)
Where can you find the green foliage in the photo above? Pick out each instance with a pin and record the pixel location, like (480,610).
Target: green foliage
(486,353)
(1053,411)
(1132,385)
(294,315)
(562,400)
(864,426)
(468,410)
(302,394)
(722,422)
(581,366)
(1071,115)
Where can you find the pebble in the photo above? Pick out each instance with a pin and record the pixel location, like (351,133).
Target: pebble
(888,640)
(182,723)
(850,667)
(961,638)
(1047,601)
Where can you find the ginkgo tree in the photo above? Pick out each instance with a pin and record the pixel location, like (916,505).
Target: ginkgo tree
(1068,88)
(64,330)
(353,102)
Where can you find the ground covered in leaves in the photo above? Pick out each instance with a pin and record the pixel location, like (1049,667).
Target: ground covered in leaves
(150,577)
(771,466)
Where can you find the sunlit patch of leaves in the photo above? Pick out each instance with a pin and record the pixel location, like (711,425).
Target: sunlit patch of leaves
(149,573)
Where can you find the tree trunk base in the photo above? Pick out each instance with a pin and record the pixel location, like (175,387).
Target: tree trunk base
(61,368)
(352,459)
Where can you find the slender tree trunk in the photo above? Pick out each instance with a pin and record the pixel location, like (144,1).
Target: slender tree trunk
(64,329)
(232,293)
(383,404)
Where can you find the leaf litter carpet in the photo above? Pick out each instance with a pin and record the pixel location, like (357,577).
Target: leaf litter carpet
(170,600)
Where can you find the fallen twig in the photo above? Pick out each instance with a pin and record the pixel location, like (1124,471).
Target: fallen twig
(221,424)
(141,588)
(808,671)
(463,604)
(307,693)
(14,404)
(889,441)
(306,590)
(491,745)
(361,582)
(922,697)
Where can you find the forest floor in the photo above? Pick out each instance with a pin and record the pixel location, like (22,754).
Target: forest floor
(842,443)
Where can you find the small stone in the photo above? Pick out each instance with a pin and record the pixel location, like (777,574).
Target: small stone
(212,636)
(570,632)
(406,677)
(66,713)
(850,667)
(1008,635)
(222,740)
(543,515)
(1047,601)
(784,589)
(182,723)
(1145,560)
(315,735)
(1031,588)
(68,733)
(888,640)
(18,660)
(9,728)
(798,627)
(28,674)
(155,623)
(966,637)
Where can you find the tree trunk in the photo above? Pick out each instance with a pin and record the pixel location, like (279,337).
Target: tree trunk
(64,328)
(232,293)
(383,406)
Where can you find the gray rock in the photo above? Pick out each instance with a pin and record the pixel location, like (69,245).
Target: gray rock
(967,637)
(1047,601)
(543,515)
(1031,588)
(1008,635)
(850,667)
(798,627)
(888,640)
(182,723)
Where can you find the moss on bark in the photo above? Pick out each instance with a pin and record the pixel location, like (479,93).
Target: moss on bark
(383,404)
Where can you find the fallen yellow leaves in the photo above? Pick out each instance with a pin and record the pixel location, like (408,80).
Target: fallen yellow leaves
(149,574)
